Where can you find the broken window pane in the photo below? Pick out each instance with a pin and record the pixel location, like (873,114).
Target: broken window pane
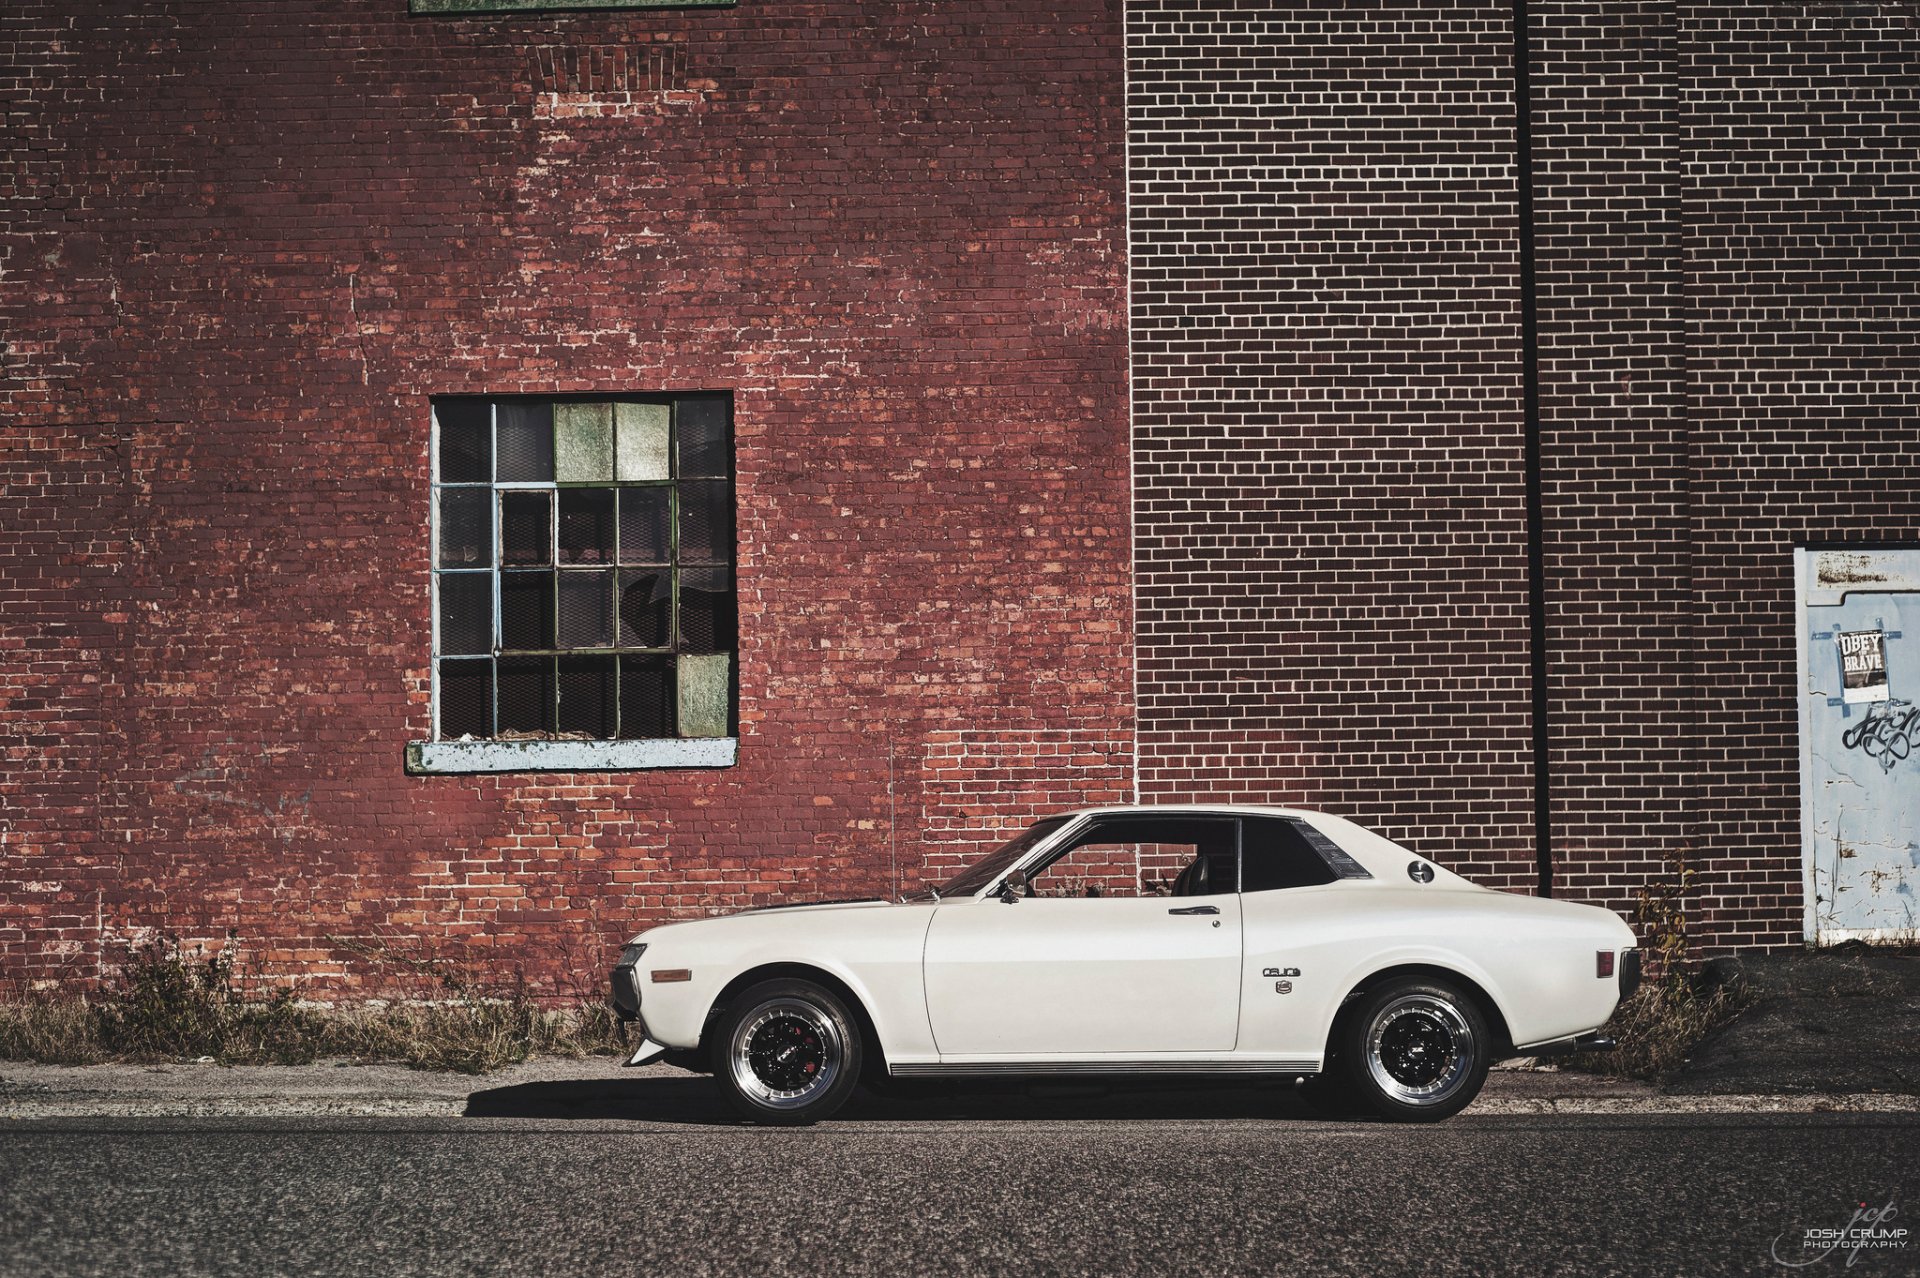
(466,699)
(466,440)
(526,610)
(706,524)
(526,696)
(526,528)
(646,698)
(466,528)
(646,608)
(643,440)
(583,443)
(704,689)
(586,525)
(643,525)
(707,619)
(586,610)
(466,612)
(703,437)
(526,440)
(587,696)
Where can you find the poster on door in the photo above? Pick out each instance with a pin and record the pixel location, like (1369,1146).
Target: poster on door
(1863,666)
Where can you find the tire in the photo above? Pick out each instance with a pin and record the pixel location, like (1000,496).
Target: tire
(1415,1050)
(787,1053)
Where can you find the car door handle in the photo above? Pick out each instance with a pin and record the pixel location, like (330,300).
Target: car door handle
(1195,909)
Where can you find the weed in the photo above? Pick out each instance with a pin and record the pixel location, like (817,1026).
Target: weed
(172,1003)
(1676,1007)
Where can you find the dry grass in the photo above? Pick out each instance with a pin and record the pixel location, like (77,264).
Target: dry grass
(172,1006)
(1676,1007)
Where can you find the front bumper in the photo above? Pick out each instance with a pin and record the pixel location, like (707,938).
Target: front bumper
(626,982)
(626,992)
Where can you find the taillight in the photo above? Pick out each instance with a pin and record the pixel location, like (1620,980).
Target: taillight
(1603,964)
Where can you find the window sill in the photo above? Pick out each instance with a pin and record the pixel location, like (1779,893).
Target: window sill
(429,758)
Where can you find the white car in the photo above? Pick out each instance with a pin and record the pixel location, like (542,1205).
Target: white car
(1162,940)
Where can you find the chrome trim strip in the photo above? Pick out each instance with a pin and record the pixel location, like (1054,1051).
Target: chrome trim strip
(957,1069)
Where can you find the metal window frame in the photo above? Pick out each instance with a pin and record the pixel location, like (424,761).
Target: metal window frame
(439,753)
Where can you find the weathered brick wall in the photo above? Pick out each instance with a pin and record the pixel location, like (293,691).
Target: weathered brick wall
(1801,222)
(1329,503)
(243,247)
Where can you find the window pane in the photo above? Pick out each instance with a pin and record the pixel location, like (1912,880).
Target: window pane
(526,528)
(703,437)
(643,526)
(706,610)
(587,696)
(586,610)
(646,697)
(526,610)
(466,440)
(704,694)
(466,528)
(583,443)
(586,525)
(646,608)
(643,440)
(526,440)
(466,612)
(526,696)
(466,699)
(1274,854)
(706,524)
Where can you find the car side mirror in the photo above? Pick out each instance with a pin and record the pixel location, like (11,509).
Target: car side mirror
(1013,887)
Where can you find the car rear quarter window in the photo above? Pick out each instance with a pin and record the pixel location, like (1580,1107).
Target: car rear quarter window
(1277,853)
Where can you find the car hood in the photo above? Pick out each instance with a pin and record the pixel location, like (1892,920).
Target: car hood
(819,909)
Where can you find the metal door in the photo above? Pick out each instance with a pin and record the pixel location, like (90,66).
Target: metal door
(1859,614)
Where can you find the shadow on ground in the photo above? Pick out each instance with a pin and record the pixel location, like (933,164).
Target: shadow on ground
(696,1099)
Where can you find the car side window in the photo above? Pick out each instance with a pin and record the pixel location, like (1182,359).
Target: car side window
(1143,856)
(1275,854)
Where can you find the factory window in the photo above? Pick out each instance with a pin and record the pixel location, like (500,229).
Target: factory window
(583,591)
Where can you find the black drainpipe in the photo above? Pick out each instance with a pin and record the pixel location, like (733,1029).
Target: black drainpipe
(1536,515)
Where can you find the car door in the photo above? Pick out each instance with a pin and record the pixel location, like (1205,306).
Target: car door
(1102,959)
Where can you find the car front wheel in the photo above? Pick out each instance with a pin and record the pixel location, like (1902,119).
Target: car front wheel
(787,1053)
(1416,1049)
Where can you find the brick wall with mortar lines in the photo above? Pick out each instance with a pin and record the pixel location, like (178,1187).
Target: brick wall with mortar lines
(1329,504)
(245,245)
(1800,221)
(1613,443)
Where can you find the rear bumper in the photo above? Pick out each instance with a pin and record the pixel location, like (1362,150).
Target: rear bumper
(1629,973)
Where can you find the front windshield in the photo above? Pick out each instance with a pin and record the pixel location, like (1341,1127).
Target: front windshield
(995,863)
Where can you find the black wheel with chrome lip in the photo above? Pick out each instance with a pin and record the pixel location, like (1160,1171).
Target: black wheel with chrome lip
(787,1053)
(1415,1049)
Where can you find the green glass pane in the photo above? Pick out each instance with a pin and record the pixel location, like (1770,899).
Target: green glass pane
(704,694)
(582,443)
(643,440)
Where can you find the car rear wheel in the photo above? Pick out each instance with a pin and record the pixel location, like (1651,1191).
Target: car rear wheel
(787,1053)
(1416,1049)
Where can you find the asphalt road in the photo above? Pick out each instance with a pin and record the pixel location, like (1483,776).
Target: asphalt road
(1144,1183)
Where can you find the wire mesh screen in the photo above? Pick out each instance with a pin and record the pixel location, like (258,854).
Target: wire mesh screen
(525,697)
(587,698)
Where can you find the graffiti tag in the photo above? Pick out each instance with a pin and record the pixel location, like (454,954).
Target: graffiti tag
(1887,734)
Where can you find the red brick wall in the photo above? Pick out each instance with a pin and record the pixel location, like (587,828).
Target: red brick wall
(1613,444)
(243,249)
(1329,506)
(1329,503)
(1800,218)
